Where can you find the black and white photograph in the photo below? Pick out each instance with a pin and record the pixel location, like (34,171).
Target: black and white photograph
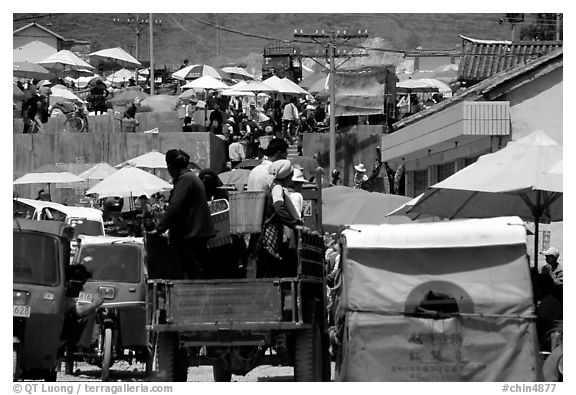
(231,195)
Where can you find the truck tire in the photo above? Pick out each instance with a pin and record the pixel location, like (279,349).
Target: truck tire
(106,354)
(167,348)
(15,361)
(221,372)
(181,368)
(326,363)
(308,355)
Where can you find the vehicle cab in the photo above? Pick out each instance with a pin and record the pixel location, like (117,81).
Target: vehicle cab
(41,254)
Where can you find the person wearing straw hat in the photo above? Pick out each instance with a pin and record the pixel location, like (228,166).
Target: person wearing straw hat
(360,176)
(279,212)
(553,268)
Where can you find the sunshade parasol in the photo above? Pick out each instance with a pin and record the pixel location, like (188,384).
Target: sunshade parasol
(98,172)
(129,181)
(237,177)
(197,71)
(64,60)
(512,181)
(60,93)
(308,164)
(205,82)
(319,86)
(348,206)
(280,85)
(29,70)
(256,87)
(47,178)
(127,96)
(238,73)
(289,82)
(415,86)
(159,103)
(17,93)
(118,56)
(150,160)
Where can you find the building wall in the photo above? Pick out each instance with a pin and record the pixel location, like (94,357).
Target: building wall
(537,105)
(33,33)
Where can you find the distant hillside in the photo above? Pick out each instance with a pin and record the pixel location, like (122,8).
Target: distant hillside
(194,37)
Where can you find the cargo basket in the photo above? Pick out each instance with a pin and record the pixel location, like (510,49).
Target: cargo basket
(220,214)
(246,211)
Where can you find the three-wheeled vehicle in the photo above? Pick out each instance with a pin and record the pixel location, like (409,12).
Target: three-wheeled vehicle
(445,301)
(41,253)
(118,276)
(238,324)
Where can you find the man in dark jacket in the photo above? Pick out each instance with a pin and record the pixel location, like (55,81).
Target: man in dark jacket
(187,217)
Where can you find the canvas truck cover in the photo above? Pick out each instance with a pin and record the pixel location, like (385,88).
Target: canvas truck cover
(447,301)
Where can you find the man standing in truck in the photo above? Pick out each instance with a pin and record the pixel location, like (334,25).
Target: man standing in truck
(187,217)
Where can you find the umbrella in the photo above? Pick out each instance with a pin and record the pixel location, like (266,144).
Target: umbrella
(17,93)
(238,73)
(415,86)
(257,87)
(127,96)
(237,177)
(98,172)
(63,60)
(235,90)
(281,86)
(205,82)
(405,210)
(348,206)
(150,160)
(289,82)
(123,75)
(248,164)
(60,93)
(129,181)
(187,94)
(48,177)
(77,73)
(118,56)
(159,103)
(308,164)
(29,70)
(513,181)
(197,71)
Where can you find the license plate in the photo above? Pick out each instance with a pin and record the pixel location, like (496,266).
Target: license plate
(84,297)
(22,311)
(307,208)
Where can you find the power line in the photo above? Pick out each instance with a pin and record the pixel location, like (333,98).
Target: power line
(35,17)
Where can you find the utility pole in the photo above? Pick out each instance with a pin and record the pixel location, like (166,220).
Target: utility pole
(558,24)
(152,79)
(331,41)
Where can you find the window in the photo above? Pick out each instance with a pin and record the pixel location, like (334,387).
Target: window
(35,259)
(420,181)
(112,262)
(445,171)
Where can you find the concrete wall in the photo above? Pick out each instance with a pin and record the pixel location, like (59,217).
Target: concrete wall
(538,105)
(34,150)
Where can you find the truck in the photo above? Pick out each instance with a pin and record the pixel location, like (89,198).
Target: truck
(237,324)
(442,301)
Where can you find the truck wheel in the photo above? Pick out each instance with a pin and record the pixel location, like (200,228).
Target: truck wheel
(308,355)
(50,376)
(69,360)
(181,368)
(107,354)
(326,363)
(221,372)
(167,350)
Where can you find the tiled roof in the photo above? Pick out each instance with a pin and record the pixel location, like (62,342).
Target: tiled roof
(432,52)
(482,59)
(484,87)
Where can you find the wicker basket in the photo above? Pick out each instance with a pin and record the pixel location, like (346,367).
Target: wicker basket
(246,211)
(220,215)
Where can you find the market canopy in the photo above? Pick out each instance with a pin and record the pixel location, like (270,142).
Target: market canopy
(150,160)
(118,56)
(63,60)
(205,82)
(238,73)
(281,86)
(197,71)
(256,87)
(29,70)
(129,181)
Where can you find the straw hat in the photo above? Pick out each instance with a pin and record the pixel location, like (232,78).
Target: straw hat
(360,168)
(281,169)
(298,176)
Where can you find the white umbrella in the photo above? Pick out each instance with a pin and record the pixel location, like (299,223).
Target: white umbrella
(289,82)
(280,85)
(98,172)
(257,87)
(129,181)
(47,178)
(238,73)
(29,70)
(59,92)
(415,86)
(150,160)
(63,60)
(442,87)
(117,55)
(197,71)
(205,82)
(123,75)
(513,181)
